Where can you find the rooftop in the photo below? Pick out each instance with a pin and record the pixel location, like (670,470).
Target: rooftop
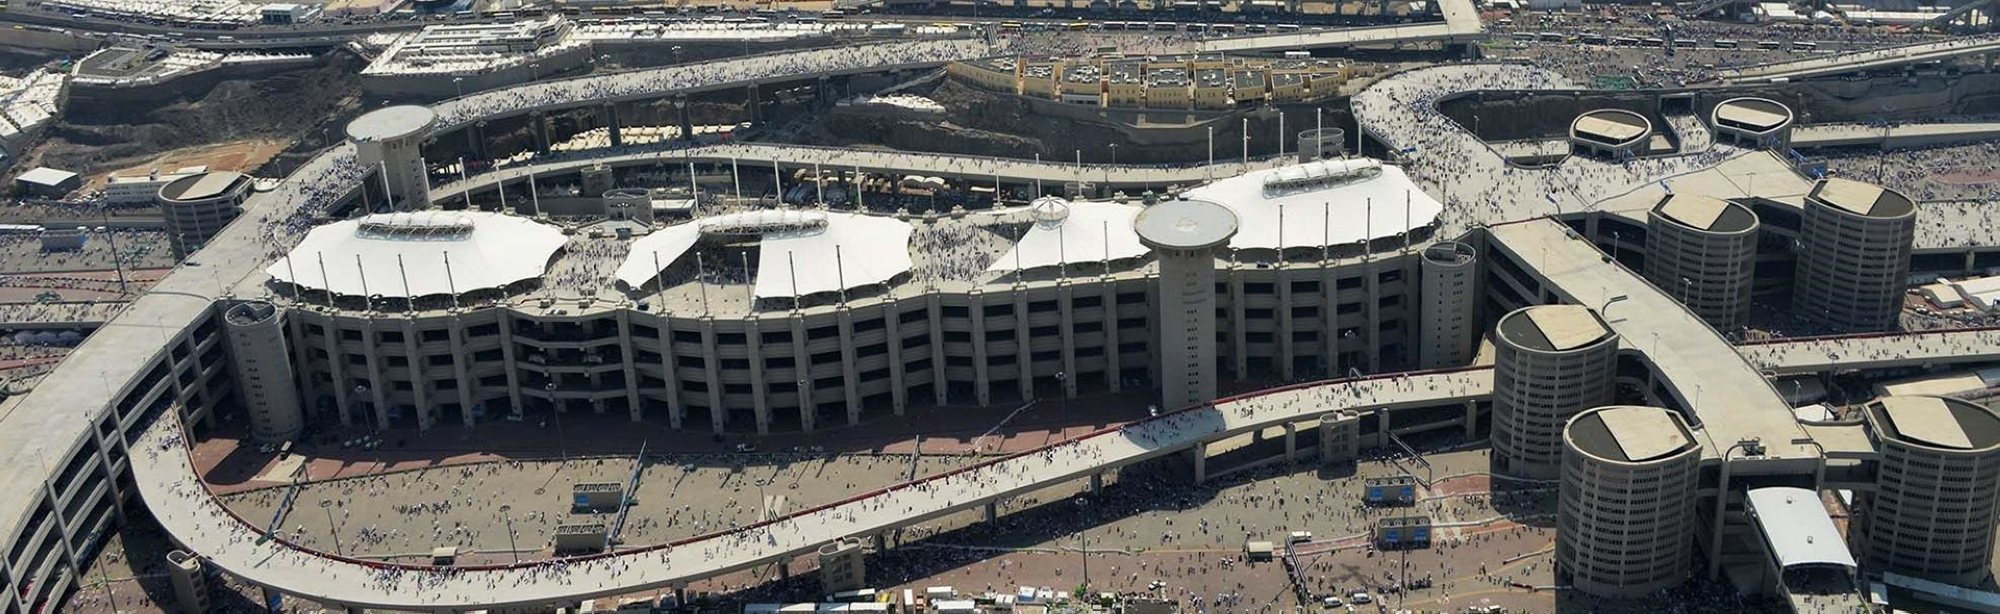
(1937,422)
(1755,113)
(205,185)
(1553,328)
(1706,213)
(1612,126)
(408,255)
(1798,528)
(1629,434)
(1863,199)
(1185,224)
(391,122)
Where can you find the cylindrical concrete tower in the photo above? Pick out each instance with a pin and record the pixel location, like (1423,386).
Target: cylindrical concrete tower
(1753,122)
(1933,509)
(264,370)
(197,207)
(1855,257)
(1625,520)
(1553,362)
(1184,235)
(1321,143)
(389,140)
(1703,251)
(1449,309)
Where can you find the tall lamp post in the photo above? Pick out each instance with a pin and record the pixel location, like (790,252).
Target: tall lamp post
(327,504)
(555,407)
(511,548)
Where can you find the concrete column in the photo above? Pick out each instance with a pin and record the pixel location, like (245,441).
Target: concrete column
(850,375)
(355,609)
(991,510)
(718,414)
(541,131)
(475,137)
(756,113)
(939,384)
(1472,419)
(1113,359)
(686,118)
(892,326)
(633,408)
(376,382)
(1239,334)
(1024,361)
(420,388)
(611,124)
(760,395)
(1066,315)
(1287,350)
(1096,483)
(785,568)
(881,542)
(1381,427)
(337,361)
(802,357)
(1200,462)
(676,410)
(982,384)
(460,369)
(1291,443)
(1373,281)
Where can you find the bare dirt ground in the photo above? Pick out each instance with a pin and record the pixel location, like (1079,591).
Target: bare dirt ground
(240,156)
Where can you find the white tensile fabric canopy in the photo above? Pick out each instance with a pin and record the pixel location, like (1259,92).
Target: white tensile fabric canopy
(407,255)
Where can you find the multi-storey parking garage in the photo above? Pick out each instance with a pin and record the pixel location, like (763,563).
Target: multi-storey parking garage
(412,369)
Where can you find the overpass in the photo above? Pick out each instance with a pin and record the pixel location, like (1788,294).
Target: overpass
(753,158)
(1891,137)
(1729,400)
(732,73)
(1873,351)
(193,518)
(1857,61)
(1461,25)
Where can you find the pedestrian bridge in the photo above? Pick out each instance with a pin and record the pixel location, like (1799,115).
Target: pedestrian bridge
(194,519)
(1857,61)
(1461,25)
(1874,351)
(1891,137)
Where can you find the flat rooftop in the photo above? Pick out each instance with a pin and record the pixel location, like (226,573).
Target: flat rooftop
(1629,434)
(205,185)
(1863,199)
(1553,328)
(1706,213)
(1755,113)
(391,122)
(1937,422)
(1612,126)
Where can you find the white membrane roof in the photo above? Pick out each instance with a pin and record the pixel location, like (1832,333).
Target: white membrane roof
(1093,232)
(851,251)
(1336,213)
(485,250)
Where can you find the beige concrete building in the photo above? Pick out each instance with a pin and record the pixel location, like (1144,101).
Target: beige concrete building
(389,140)
(1753,122)
(1854,260)
(1450,314)
(1553,362)
(264,374)
(1625,520)
(1934,506)
(1185,235)
(195,207)
(1703,251)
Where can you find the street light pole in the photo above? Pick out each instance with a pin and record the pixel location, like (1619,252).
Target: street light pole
(511,548)
(330,527)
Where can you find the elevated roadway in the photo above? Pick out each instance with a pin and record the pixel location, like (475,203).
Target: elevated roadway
(1461,25)
(1730,400)
(732,73)
(1874,351)
(192,516)
(1857,61)
(1891,137)
(753,158)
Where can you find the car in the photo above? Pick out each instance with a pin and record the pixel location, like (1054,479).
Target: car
(746,447)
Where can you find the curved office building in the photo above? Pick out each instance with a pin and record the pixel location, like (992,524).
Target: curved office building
(1933,509)
(1855,258)
(1554,361)
(1703,251)
(1625,521)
